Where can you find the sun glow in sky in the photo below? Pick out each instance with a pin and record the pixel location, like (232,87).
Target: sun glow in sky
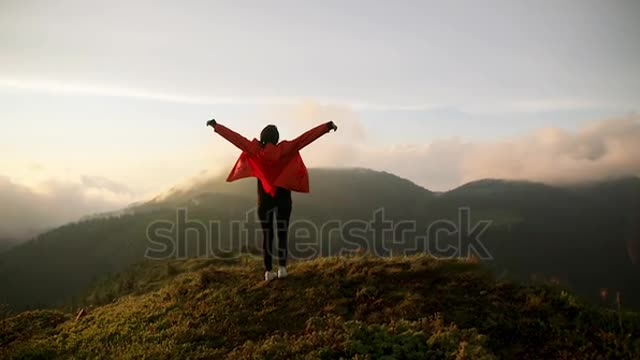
(120,90)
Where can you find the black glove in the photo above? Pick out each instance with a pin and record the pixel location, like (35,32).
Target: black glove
(212,123)
(332,126)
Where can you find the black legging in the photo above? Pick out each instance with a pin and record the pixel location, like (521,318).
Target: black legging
(278,208)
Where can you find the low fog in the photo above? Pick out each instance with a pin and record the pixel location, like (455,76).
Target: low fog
(26,211)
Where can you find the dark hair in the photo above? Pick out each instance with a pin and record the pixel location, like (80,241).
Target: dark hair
(269,135)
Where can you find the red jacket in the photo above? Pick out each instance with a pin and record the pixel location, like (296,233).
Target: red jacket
(275,165)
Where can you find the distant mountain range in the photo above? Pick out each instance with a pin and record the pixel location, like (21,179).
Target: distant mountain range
(585,237)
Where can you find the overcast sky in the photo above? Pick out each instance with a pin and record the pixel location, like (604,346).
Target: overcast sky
(111,96)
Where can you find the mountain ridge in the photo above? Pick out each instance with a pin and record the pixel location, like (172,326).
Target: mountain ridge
(534,231)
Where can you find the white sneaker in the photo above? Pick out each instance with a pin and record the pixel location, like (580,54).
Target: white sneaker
(269,275)
(282,272)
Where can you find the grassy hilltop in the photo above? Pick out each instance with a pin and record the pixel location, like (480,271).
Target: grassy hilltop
(359,307)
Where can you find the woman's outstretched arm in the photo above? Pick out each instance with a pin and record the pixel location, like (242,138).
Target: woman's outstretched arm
(233,137)
(308,137)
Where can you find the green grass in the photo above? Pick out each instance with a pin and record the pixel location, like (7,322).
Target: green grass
(359,307)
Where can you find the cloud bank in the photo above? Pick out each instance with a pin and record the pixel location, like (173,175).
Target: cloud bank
(26,211)
(604,149)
